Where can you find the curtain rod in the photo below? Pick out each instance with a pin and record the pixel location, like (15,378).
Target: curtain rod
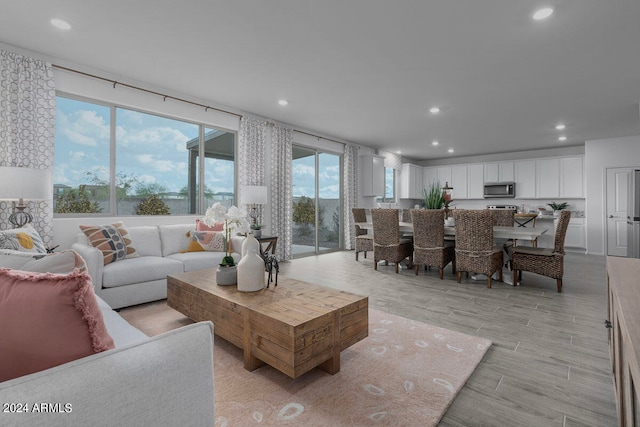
(114,82)
(321,137)
(165,97)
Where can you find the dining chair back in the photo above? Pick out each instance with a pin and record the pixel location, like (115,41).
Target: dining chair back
(406,215)
(475,252)
(387,244)
(503,217)
(429,247)
(363,240)
(544,261)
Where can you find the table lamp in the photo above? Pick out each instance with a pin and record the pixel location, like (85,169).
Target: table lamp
(253,195)
(18,184)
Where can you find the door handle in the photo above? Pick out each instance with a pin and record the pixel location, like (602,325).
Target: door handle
(610,216)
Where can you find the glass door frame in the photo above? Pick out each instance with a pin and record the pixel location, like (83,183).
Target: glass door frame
(340,247)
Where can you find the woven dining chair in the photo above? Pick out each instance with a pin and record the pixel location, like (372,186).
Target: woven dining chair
(504,218)
(544,261)
(429,246)
(406,217)
(364,241)
(475,252)
(387,244)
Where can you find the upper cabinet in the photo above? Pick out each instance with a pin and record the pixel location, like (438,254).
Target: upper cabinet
(429,177)
(572,177)
(459,182)
(525,179)
(475,181)
(411,182)
(371,175)
(498,172)
(547,178)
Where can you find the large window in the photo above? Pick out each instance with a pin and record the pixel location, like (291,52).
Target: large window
(156,162)
(389,186)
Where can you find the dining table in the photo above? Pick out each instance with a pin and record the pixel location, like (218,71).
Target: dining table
(499,233)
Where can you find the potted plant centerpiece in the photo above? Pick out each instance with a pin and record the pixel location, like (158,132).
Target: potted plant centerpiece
(434,198)
(256,229)
(234,221)
(557,207)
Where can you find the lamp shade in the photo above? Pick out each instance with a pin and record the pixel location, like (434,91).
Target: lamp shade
(25,183)
(250,194)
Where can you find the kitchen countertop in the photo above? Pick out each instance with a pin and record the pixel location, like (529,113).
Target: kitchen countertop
(574,214)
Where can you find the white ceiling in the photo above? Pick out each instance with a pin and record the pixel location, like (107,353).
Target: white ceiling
(367,71)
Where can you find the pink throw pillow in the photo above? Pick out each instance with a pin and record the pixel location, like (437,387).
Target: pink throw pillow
(47,319)
(201,226)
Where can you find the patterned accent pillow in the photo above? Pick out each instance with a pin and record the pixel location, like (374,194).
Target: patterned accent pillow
(64,262)
(212,241)
(25,239)
(201,226)
(112,240)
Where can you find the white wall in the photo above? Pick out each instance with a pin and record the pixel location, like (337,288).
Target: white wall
(600,155)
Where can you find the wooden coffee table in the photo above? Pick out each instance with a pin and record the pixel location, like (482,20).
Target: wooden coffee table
(293,327)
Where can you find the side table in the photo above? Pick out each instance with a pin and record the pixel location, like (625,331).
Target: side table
(271,242)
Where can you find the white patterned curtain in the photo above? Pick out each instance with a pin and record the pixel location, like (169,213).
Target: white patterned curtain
(350,178)
(27,128)
(251,154)
(281,189)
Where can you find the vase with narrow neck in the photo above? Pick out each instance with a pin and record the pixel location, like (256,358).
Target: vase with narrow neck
(250,242)
(251,274)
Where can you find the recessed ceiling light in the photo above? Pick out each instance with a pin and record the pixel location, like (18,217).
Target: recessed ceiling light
(543,13)
(60,24)
(560,126)
(283,102)
(450,150)
(434,143)
(434,110)
(562,138)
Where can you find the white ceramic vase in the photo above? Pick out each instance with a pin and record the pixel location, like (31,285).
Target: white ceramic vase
(251,274)
(250,242)
(226,275)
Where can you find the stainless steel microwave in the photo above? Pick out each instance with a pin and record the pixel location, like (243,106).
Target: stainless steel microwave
(499,189)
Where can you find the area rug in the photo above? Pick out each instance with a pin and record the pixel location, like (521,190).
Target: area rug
(406,373)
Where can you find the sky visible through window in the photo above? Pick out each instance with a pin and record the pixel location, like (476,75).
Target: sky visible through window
(153,148)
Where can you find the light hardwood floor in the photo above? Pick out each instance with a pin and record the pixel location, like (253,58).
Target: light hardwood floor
(549,363)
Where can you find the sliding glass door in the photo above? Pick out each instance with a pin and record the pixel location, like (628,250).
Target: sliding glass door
(317,201)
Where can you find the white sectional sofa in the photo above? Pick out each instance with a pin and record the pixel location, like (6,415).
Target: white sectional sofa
(138,280)
(166,380)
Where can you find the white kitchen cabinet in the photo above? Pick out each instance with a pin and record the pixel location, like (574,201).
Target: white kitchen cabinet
(371,175)
(459,182)
(436,175)
(547,178)
(411,182)
(575,237)
(525,179)
(498,172)
(475,181)
(572,177)
(444,175)
(429,177)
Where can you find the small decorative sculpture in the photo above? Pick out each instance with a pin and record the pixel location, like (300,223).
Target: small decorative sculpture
(271,263)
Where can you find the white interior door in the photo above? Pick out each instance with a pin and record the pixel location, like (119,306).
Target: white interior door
(616,188)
